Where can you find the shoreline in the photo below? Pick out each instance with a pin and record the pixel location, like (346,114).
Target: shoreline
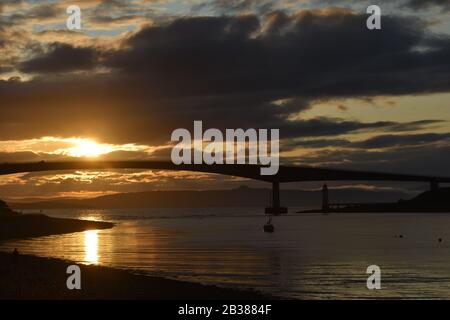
(23,226)
(26,277)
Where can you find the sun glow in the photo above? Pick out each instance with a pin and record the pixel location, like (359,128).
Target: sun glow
(88,148)
(76,147)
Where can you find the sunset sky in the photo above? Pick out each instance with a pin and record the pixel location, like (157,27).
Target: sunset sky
(341,95)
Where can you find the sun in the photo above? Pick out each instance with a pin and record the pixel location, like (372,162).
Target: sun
(88,148)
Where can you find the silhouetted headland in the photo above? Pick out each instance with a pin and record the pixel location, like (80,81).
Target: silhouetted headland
(429,201)
(14,225)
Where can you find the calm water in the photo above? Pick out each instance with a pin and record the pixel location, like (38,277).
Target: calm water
(309,256)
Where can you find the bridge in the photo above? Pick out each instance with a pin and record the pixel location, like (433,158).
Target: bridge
(285,173)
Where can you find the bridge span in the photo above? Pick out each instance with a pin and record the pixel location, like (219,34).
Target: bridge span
(285,173)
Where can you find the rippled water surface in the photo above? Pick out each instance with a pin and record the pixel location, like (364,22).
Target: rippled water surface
(309,256)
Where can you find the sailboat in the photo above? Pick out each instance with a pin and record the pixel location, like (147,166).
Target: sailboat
(268,227)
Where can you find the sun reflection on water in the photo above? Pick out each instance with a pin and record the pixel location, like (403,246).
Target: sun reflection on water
(91,246)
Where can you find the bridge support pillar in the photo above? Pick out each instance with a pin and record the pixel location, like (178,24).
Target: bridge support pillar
(325,202)
(276,209)
(434,186)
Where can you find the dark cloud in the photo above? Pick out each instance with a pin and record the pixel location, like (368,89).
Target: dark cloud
(385,141)
(5,69)
(289,145)
(110,19)
(426,160)
(421,4)
(115,11)
(61,57)
(5,3)
(309,54)
(376,142)
(27,156)
(229,7)
(19,156)
(335,126)
(229,72)
(45,11)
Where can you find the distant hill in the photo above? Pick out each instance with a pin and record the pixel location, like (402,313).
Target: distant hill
(240,197)
(5,210)
(437,200)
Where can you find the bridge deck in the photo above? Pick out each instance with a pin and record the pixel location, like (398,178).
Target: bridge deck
(285,173)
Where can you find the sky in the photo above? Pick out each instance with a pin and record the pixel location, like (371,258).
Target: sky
(341,95)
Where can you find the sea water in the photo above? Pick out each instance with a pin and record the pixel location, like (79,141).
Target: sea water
(309,256)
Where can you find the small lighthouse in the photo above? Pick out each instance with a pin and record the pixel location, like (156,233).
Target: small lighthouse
(325,203)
